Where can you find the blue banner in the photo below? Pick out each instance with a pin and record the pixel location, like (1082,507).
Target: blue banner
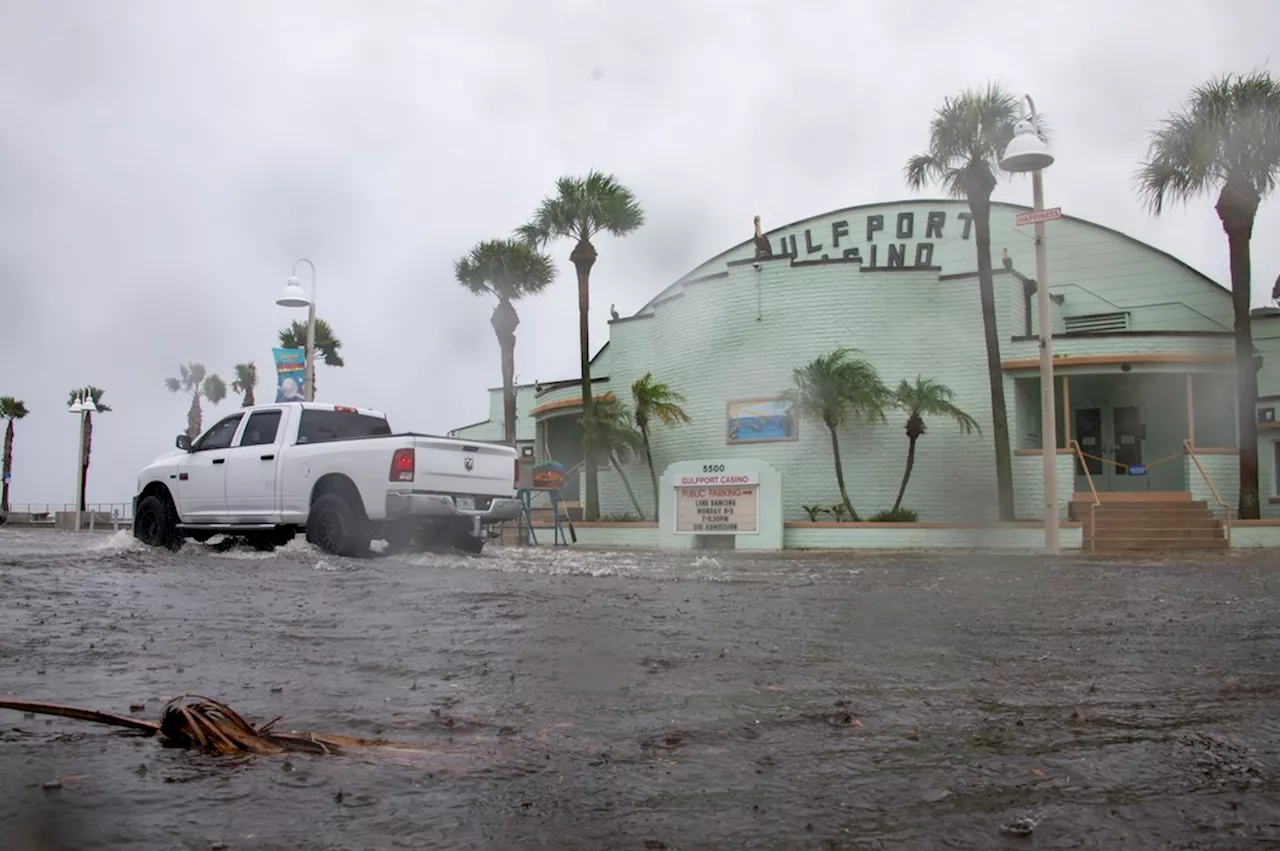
(291,373)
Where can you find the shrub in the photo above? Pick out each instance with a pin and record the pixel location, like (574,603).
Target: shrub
(624,517)
(837,511)
(814,510)
(901,515)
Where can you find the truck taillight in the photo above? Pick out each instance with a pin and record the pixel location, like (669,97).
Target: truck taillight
(402,464)
(515,483)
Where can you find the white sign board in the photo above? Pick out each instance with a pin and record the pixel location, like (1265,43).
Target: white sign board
(1037,216)
(718,509)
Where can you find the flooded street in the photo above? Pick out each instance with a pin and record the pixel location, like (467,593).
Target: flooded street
(578,699)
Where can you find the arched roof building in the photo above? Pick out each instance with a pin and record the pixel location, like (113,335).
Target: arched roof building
(1143,350)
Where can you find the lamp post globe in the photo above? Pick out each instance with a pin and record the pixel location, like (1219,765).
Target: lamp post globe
(1027,151)
(293,295)
(76,407)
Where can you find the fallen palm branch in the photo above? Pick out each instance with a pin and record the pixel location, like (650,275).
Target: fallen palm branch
(191,721)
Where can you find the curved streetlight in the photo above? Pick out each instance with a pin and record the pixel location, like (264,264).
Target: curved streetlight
(1028,151)
(294,296)
(83,405)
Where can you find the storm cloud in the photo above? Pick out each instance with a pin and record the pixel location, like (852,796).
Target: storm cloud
(163,164)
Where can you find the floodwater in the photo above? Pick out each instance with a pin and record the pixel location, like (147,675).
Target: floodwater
(575,699)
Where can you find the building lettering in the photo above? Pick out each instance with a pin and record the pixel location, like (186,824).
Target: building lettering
(912,246)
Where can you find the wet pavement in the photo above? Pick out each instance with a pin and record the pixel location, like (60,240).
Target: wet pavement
(575,699)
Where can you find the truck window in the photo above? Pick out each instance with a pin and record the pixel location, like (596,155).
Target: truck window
(219,437)
(261,428)
(320,426)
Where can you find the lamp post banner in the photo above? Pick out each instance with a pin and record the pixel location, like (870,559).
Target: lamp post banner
(291,371)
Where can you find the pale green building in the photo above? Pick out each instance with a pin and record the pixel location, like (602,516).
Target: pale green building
(1143,344)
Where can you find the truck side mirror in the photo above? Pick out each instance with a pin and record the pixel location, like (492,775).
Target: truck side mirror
(183,442)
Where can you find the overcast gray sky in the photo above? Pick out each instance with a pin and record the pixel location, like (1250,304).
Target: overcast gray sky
(163,163)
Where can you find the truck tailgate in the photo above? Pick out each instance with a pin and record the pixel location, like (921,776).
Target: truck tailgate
(447,465)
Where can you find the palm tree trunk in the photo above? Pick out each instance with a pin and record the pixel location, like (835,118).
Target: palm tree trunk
(195,417)
(509,389)
(7,467)
(88,451)
(249,401)
(981,209)
(505,321)
(1246,377)
(583,258)
(613,459)
(906,474)
(844,493)
(648,459)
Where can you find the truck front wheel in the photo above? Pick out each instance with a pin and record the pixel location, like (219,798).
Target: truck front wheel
(335,527)
(155,524)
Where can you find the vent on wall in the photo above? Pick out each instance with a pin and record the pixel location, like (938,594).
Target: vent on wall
(1097,322)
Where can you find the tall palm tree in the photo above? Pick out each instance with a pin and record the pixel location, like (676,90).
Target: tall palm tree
(197,383)
(967,137)
(328,346)
(509,269)
(10,409)
(655,400)
(609,431)
(79,395)
(925,398)
(245,381)
(834,389)
(1225,140)
(581,208)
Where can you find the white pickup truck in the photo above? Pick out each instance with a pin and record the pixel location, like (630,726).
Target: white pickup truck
(337,472)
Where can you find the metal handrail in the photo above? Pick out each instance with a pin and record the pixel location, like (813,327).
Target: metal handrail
(1222,503)
(1088,477)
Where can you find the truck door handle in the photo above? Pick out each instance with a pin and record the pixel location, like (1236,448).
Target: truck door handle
(267,457)
(219,460)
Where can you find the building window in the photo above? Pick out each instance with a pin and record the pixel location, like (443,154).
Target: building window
(1275,467)
(1214,406)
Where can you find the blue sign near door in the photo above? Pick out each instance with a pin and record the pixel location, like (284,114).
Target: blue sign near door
(1137,469)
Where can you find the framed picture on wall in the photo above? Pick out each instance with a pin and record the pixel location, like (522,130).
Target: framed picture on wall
(766,419)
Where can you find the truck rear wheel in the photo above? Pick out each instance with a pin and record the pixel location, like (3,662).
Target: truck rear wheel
(468,543)
(155,524)
(337,528)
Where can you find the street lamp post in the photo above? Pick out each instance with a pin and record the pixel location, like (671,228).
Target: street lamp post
(1029,152)
(293,296)
(83,407)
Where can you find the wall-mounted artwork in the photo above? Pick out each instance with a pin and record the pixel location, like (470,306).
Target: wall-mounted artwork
(763,420)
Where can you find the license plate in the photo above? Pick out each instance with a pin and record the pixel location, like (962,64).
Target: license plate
(466,503)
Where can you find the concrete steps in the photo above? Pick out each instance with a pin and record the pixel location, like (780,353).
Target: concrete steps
(1151,524)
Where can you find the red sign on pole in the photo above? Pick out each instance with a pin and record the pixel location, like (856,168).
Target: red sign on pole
(1036,216)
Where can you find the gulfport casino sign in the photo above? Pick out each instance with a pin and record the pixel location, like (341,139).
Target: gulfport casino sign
(888,239)
(718,503)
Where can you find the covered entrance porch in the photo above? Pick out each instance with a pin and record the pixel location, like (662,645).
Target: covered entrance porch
(1126,425)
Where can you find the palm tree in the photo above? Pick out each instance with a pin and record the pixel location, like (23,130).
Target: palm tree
(197,383)
(925,398)
(1226,140)
(328,346)
(95,394)
(655,400)
(10,409)
(581,208)
(967,137)
(509,269)
(833,389)
(609,432)
(245,381)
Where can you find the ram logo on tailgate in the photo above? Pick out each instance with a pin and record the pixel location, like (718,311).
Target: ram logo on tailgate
(469,463)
